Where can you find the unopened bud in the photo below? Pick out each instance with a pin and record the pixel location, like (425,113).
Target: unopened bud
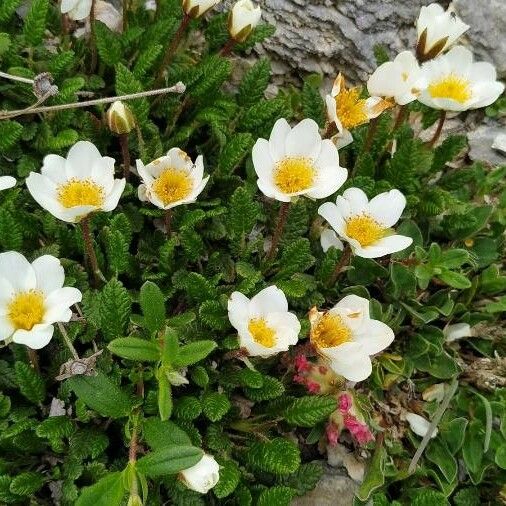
(243,19)
(120,118)
(197,8)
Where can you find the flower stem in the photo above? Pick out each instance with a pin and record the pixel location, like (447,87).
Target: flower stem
(343,262)
(93,40)
(330,130)
(401,117)
(439,129)
(90,252)
(228,47)
(34,359)
(371,132)
(278,232)
(67,340)
(123,142)
(168,221)
(171,49)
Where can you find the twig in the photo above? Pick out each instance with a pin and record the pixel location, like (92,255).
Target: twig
(177,88)
(439,129)
(278,232)
(437,417)
(343,262)
(29,109)
(16,78)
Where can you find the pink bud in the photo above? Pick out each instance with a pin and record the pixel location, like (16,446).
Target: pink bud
(332,432)
(312,387)
(299,379)
(301,363)
(360,431)
(345,403)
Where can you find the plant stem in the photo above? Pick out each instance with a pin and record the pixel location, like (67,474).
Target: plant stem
(132,452)
(227,48)
(168,221)
(330,130)
(34,359)
(16,78)
(125,15)
(278,232)
(401,117)
(67,340)
(439,129)
(371,132)
(171,49)
(123,142)
(343,262)
(89,250)
(177,88)
(93,40)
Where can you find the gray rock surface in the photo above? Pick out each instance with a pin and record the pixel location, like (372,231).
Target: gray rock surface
(333,489)
(480,144)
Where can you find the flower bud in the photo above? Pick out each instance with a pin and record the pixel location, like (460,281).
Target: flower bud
(203,476)
(197,8)
(120,118)
(242,20)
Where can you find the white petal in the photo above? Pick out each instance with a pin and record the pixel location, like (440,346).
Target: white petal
(343,139)
(349,360)
(36,338)
(385,246)
(384,81)
(287,322)
(81,158)
(17,270)
(7,182)
(277,140)
(238,310)
(329,180)
(304,140)
(6,328)
(81,11)
(357,200)
(387,207)
(268,300)
(329,156)
(330,102)
(269,190)
(141,193)
(102,173)
(111,201)
(329,239)
(374,336)
(332,214)
(53,167)
(203,476)
(457,331)
(262,160)
(58,303)
(49,273)
(488,93)
(6,293)
(43,191)
(198,169)
(144,171)
(356,304)
(419,425)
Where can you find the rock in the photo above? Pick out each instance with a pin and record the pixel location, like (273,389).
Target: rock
(333,489)
(480,143)
(487,30)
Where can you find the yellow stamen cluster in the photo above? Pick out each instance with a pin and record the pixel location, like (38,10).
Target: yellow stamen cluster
(451,87)
(26,309)
(80,192)
(261,332)
(350,108)
(330,331)
(172,185)
(295,174)
(364,229)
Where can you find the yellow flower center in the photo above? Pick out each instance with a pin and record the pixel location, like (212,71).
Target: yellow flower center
(80,192)
(172,185)
(26,309)
(330,331)
(364,229)
(452,87)
(262,334)
(295,174)
(350,108)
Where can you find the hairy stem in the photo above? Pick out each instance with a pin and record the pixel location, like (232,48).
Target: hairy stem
(228,47)
(401,117)
(343,262)
(371,132)
(167,218)
(93,39)
(278,232)
(125,153)
(90,251)
(67,340)
(34,359)
(439,129)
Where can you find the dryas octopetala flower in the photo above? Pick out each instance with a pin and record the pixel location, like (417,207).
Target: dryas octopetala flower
(296,161)
(76,9)
(196,8)
(71,188)
(398,79)
(203,476)
(171,180)
(120,118)
(345,336)
(454,82)
(33,298)
(243,19)
(329,239)
(264,325)
(7,182)
(366,225)
(347,109)
(437,30)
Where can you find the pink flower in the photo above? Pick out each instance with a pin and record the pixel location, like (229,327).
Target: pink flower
(302,364)
(299,379)
(345,403)
(312,387)
(359,430)
(332,432)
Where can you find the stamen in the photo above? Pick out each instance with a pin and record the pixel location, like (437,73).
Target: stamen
(172,185)
(80,192)
(330,331)
(26,309)
(364,229)
(262,334)
(294,175)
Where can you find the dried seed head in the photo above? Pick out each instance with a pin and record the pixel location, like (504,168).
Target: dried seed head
(43,86)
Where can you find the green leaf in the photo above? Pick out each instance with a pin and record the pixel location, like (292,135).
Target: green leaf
(31,384)
(453,433)
(27,483)
(312,102)
(194,352)
(500,456)
(277,495)
(304,479)
(447,151)
(229,479)
(169,460)
(309,410)
(10,133)
(455,279)
(244,212)
(296,258)
(11,233)
(234,152)
(160,434)
(134,348)
(165,403)
(114,309)
(254,83)
(438,453)
(127,83)
(153,306)
(215,405)
(472,450)
(55,427)
(7,9)
(108,491)
(108,44)
(271,389)
(35,22)
(375,475)
(278,456)
(102,395)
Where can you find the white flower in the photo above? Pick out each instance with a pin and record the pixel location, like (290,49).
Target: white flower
(264,325)
(296,161)
(74,187)
(437,31)
(32,298)
(76,9)
(419,425)
(453,82)
(197,8)
(347,109)
(346,336)
(243,18)
(457,331)
(7,182)
(171,180)
(365,225)
(203,476)
(329,239)
(398,79)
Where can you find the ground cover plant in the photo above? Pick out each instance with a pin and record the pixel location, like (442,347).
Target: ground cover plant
(205,289)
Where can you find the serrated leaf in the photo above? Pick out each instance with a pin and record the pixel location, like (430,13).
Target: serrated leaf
(278,456)
(153,306)
(55,427)
(169,460)
(35,22)
(114,309)
(229,479)
(31,384)
(108,44)
(243,213)
(27,483)
(277,495)
(309,410)
(215,405)
(270,389)
(254,83)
